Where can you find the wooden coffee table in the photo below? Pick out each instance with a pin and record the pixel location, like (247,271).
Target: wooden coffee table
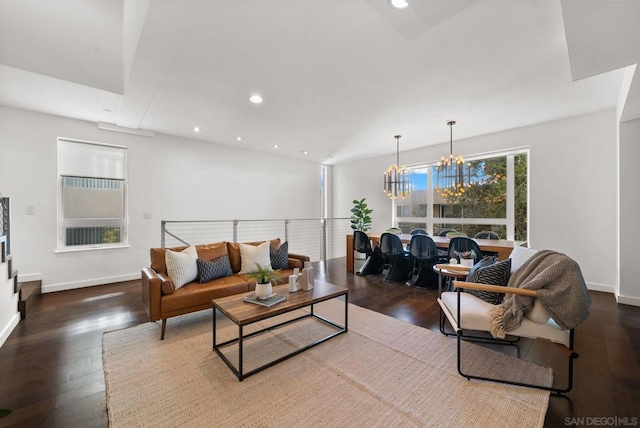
(243,314)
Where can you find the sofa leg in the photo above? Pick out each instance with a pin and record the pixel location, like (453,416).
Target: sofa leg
(164,327)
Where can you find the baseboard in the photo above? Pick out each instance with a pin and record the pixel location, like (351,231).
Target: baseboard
(627,300)
(4,335)
(29,277)
(50,288)
(601,287)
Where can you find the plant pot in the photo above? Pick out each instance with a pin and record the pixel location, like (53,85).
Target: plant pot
(466,262)
(264,290)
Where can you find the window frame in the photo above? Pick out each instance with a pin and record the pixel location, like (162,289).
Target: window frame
(62,223)
(509,221)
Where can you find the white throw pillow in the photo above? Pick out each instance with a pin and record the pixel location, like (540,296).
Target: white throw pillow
(182,267)
(252,254)
(538,313)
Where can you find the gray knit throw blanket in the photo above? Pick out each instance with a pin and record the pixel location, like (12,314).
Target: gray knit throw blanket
(561,290)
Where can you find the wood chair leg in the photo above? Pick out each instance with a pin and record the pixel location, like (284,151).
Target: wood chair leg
(164,327)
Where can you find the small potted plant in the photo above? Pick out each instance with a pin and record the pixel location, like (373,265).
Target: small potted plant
(467,257)
(265,277)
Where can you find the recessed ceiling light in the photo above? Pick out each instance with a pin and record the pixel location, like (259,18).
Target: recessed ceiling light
(196,129)
(399,4)
(256,99)
(275,146)
(239,138)
(304,152)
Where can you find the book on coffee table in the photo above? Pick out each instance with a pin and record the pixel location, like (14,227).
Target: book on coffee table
(266,301)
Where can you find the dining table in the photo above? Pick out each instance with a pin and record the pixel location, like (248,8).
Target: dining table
(500,247)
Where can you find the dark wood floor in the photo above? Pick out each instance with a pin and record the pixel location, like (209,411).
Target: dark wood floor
(51,365)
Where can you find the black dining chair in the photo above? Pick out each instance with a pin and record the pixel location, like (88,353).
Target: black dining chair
(362,243)
(418,231)
(487,234)
(424,255)
(396,256)
(373,263)
(461,244)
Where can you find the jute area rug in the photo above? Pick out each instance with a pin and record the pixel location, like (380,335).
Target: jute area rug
(383,372)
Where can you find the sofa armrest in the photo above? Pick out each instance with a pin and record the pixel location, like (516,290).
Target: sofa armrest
(297,260)
(167,286)
(151,293)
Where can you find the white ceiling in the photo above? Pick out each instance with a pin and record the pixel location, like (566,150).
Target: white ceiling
(339,78)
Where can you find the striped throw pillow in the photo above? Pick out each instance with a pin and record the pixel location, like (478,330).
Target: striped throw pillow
(494,274)
(182,267)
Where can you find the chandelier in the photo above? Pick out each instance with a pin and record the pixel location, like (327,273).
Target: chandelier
(451,177)
(397,179)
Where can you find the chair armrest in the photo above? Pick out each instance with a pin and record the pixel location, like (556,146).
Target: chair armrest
(495,288)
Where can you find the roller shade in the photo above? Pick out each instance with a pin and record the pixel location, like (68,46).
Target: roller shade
(77,159)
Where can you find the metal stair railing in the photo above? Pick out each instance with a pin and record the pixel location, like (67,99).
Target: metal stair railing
(318,238)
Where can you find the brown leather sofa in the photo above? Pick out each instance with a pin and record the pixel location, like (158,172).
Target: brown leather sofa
(162,300)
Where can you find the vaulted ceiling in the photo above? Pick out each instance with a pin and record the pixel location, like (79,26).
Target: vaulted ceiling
(339,78)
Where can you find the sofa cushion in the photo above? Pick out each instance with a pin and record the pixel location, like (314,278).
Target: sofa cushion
(213,269)
(279,256)
(193,294)
(181,266)
(253,255)
(233,249)
(212,251)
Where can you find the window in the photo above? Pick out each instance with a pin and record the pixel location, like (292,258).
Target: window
(495,201)
(92,196)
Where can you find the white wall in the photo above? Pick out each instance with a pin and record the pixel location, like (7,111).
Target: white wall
(572,175)
(629,212)
(169,177)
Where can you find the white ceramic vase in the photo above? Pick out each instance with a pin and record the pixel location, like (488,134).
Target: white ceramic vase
(264,290)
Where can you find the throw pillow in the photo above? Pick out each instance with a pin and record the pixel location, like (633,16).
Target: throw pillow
(279,256)
(252,254)
(485,261)
(494,274)
(212,269)
(234,252)
(182,267)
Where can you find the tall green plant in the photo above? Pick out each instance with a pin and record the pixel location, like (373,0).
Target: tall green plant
(360,219)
